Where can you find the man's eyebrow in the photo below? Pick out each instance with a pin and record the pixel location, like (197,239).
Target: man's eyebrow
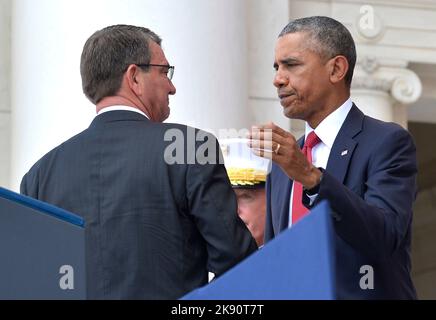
(289,60)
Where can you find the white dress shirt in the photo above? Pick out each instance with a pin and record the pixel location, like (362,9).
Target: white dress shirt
(121,108)
(327,131)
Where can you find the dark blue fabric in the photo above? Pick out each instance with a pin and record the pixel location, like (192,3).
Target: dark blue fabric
(371,190)
(153,230)
(276,275)
(43,207)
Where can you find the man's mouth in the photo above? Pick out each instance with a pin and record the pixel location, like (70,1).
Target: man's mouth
(285,95)
(284,98)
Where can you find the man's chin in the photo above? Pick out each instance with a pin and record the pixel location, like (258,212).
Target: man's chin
(294,113)
(289,112)
(166,115)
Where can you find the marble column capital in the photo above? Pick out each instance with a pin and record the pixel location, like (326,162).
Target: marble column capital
(389,76)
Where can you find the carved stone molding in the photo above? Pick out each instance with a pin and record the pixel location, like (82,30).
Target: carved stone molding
(400,83)
(369,64)
(406,87)
(371,83)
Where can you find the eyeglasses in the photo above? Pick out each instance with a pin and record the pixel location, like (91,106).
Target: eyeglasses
(170,72)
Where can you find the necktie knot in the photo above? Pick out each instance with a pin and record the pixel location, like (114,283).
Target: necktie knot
(312,140)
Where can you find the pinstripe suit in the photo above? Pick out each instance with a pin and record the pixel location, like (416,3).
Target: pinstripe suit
(153,230)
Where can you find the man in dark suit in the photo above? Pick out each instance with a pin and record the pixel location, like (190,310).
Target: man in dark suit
(158,217)
(365,168)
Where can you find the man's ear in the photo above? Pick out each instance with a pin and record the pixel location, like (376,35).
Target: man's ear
(338,68)
(131,76)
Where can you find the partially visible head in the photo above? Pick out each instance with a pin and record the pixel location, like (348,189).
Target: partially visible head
(107,54)
(114,53)
(247,174)
(326,37)
(314,59)
(252,209)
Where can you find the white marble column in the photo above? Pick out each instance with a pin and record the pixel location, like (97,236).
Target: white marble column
(205,40)
(266,20)
(5,114)
(383,88)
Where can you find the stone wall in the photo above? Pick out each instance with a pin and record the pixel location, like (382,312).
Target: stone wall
(5,109)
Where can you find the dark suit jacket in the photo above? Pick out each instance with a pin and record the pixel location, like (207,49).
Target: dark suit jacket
(153,230)
(371,190)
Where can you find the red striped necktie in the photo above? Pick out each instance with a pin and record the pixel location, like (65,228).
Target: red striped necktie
(298,208)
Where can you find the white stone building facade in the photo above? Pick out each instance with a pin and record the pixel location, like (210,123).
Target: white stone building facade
(223,53)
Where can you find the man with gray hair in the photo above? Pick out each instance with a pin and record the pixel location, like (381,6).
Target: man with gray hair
(153,230)
(365,168)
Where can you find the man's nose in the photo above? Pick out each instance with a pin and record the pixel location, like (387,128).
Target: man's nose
(280,80)
(172,88)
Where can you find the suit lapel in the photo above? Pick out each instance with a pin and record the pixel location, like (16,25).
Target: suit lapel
(344,145)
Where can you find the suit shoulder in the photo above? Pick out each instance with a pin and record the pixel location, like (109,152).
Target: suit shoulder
(379,125)
(388,138)
(383,129)
(52,153)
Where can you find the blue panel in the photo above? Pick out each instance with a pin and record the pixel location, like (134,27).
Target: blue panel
(296,265)
(42,247)
(42,207)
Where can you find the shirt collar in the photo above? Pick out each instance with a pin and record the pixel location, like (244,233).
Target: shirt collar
(121,108)
(329,128)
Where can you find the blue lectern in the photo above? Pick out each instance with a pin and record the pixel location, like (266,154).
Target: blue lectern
(42,250)
(298,264)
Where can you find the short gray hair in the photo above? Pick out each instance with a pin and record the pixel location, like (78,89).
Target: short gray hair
(326,37)
(107,54)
